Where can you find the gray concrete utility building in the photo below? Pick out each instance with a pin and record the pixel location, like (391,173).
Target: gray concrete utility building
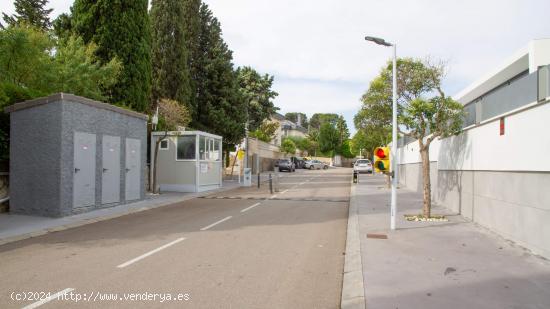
(69,154)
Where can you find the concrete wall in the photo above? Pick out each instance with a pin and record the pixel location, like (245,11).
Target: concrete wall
(498,181)
(35,147)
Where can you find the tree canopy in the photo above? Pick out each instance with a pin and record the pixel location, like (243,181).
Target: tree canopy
(120,29)
(30,12)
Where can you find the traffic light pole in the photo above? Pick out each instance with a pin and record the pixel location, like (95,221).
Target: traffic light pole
(393,152)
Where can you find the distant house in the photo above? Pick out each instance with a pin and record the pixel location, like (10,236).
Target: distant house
(286,128)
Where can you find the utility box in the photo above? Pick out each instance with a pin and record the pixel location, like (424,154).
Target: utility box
(247,177)
(69,154)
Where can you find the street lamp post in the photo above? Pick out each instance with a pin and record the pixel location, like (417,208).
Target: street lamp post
(393,210)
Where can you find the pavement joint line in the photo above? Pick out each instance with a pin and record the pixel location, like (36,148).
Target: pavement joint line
(250,207)
(141,257)
(216,223)
(48,299)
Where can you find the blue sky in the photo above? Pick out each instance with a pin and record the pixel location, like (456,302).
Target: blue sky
(321,63)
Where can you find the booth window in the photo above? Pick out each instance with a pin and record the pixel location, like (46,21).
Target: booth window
(209,149)
(186,147)
(164,144)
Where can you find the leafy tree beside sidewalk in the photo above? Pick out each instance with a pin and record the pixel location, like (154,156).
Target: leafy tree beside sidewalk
(424,111)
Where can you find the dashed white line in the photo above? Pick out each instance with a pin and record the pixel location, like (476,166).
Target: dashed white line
(248,208)
(285,191)
(132,261)
(49,298)
(273,196)
(216,223)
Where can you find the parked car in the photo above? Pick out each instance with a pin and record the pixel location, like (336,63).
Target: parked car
(298,162)
(286,165)
(315,165)
(363,166)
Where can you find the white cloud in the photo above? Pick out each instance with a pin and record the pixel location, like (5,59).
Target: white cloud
(316,51)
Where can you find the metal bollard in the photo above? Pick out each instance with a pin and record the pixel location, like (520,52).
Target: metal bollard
(270,184)
(258,180)
(355,177)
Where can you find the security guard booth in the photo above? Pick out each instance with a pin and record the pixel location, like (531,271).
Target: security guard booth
(188,161)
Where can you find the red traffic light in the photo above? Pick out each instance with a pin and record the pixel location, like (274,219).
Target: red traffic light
(380,153)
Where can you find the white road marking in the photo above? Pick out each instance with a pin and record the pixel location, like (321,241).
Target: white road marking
(248,208)
(48,299)
(301,183)
(132,261)
(273,196)
(216,223)
(285,191)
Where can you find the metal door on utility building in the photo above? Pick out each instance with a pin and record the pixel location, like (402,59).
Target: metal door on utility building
(133,169)
(84,169)
(110,177)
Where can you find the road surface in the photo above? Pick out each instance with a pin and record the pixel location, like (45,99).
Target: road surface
(244,248)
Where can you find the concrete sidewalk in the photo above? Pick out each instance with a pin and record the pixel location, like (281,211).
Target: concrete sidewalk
(454,264)
(18,227)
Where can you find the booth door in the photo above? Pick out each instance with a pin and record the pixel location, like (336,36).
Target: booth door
(133,169)
(110,177)
(84,170)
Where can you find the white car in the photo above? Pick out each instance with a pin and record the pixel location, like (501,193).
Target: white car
(362,166)
(315,165)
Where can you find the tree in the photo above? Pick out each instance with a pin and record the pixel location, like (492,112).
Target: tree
(343,132)
(328,139)
(30,12)
(288,146)
(196,29)
(318,119)
(220,107)
(266,132)
(424,111)
(78,71)
(120,29)
(172,114)
(294,118)
(256,91)
(32,65)
(346,150)
(62,26)
(170,72)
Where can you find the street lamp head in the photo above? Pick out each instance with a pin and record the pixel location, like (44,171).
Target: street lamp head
(378,41)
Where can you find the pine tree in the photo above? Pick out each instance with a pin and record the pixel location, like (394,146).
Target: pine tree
(121,29)
(170,58)
(31,12)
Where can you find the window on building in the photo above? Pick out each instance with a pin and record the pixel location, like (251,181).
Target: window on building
(186,147)
(164,144)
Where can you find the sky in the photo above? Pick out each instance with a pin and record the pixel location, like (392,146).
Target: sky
(322,64)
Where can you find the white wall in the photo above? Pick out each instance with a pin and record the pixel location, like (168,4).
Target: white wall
(483,148)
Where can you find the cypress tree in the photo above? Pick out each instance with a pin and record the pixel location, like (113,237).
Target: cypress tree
(121,29)
(195,60)
(169,53)
(32,12)
(220,108)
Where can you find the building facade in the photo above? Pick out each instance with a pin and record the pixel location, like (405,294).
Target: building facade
(497,172)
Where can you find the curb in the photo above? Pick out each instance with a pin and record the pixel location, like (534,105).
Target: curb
(87,221)
(353,292)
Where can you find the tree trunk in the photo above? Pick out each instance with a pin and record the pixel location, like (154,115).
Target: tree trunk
(425,154)
(157,145)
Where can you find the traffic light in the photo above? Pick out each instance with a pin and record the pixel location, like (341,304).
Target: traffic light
(382,159)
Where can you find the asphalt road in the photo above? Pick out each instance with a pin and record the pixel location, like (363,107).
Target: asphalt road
(245,248)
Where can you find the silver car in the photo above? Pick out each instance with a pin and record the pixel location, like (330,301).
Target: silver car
(315,165)
(362,166)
